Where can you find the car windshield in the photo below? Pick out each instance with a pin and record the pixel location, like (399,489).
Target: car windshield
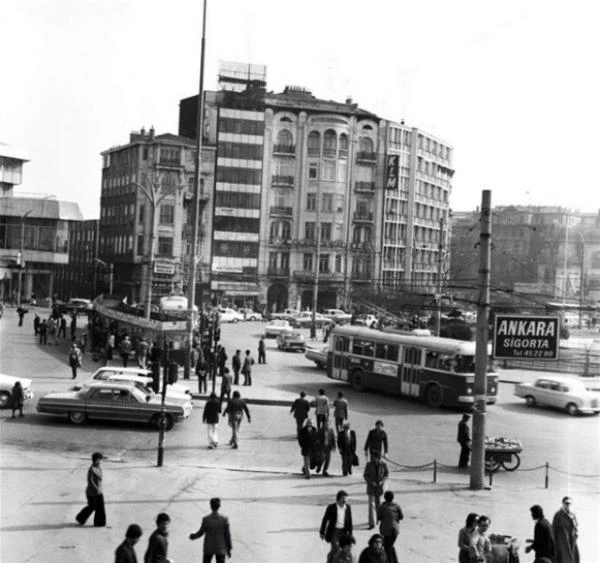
(280,323)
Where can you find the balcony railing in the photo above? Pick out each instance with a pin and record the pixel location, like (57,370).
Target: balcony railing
(368,156)
(279,180)
(278,272)
(361,276)
(343,153)
(329,152)
(364,186)
(281,211)
(289,150)
(363,216)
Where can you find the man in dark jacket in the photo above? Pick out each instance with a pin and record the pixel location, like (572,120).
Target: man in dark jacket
(377,440)
(389,517)
(375,475)
(337,512)
(221,360)
(125,552)
(236,366)
(346,441)
(210,416)
(262,353)
(543,539)
(308,441)
(217,537)
(236,409)
(300,409)
(158,545)
(464,439)
(374,552)
(325,443)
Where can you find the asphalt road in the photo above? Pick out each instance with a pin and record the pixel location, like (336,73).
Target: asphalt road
(272,506)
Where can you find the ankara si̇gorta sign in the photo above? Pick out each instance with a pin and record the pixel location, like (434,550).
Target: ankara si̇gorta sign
(526,337)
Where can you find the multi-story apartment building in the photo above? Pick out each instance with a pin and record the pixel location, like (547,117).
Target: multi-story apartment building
(548,253)
(34,234)
(147,191)
(311,191)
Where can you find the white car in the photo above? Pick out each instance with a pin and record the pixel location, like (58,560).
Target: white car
(250,315)
(7,383)
(567,393)
(277,327)
(337,315)
(175,391)
(366,320)
(230,316)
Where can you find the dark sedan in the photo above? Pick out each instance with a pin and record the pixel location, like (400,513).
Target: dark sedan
(112,401)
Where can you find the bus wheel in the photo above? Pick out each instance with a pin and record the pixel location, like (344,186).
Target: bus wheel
(434,396)
(358,380)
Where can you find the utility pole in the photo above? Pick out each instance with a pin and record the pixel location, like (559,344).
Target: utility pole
(313,324)
(21,258)
(440,264)
(187,368)
(581,278)
(481,347)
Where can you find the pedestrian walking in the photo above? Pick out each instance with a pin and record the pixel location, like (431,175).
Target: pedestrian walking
(347,447)
(221,360)
(300,409)
(125,552)
(262,352)
(43,332)
(36,324)
(464,439)
(73,326)
(210,415)
(52,330)
(481,541)
(236,366)
(226,382)
(158,544)
(142,353)
(125,349)
(336,521)
(376,441)
(110,345)
(247,368)
(21,311)
(345,555)
(325,444)
(217,535)
(202,374)
(321,408)
(467,552)
(17,399)
(340,411)
(389,516)
(308,441)
(62,327)
(75,358)
(543,538)
(236,409)
(374,552)
(566,532)
(94,493)
(375,475)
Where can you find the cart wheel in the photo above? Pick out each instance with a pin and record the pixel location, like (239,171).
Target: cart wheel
(513,464)
(492,464)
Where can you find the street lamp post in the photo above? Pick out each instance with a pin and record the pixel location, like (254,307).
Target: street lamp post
(313,324)
(21,258)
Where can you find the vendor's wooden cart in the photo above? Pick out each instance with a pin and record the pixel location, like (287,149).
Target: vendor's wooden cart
(502,452)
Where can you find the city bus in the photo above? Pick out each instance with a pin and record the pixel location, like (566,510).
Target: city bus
(438,371)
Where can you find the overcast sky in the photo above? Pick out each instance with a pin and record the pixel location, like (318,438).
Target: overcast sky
(513,86)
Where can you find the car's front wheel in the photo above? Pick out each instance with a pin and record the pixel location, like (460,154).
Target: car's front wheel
(572,409)
(530,400)
(5,399)
(77,417)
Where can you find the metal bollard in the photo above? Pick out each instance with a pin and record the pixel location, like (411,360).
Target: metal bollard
(546,479)
(491,479)
(435,470)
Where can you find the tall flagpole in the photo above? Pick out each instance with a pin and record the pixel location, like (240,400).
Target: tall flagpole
(196,204)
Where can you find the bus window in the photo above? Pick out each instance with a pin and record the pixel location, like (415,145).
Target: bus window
(464,364)
(392,352)
(342,344)
(446,362)
(412,356)
(431,359)
(363,348)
